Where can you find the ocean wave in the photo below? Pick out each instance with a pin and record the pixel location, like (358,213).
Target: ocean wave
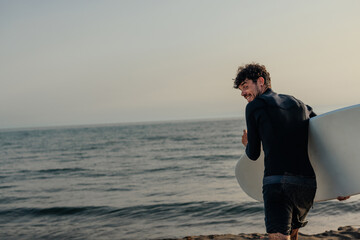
(45,173)
(207,157)
(53,170)
(6,200)
(171,168)
(203,210)
(170,138)
(61,170)
(191,210)
(53,211)
(335,207)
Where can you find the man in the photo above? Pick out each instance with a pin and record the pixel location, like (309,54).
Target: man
(280,123)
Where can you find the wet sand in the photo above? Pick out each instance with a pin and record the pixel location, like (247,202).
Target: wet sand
(343,233)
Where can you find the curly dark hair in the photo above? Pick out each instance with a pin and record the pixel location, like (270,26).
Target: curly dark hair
(251,71)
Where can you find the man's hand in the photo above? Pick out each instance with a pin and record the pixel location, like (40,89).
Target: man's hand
(341,198)
(244,139)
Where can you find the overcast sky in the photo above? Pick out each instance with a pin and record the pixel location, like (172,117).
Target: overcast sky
(88,62)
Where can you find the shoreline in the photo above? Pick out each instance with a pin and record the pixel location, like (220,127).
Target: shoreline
(346,232)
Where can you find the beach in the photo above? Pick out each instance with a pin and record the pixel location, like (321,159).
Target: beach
(342,233)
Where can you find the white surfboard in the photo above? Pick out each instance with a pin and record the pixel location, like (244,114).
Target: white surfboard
(334,152)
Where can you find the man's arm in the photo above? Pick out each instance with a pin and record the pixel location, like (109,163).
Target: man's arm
(341,198)
(251,136)
(311,111)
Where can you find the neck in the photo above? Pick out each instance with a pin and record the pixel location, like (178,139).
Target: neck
(263,89)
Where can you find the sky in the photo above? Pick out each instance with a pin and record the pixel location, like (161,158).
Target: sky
(98,62)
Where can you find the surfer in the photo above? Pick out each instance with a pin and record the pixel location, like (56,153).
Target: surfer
(280,123)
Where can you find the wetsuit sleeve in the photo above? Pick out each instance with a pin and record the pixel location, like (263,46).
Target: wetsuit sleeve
(253,147)
(311,112)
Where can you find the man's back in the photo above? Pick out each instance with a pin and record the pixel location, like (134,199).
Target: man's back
(280,122)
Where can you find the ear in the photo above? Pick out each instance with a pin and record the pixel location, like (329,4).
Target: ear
(261,81)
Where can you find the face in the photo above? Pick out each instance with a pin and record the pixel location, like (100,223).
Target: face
(250,90)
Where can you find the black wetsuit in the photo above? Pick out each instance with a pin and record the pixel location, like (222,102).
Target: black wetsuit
(280,122)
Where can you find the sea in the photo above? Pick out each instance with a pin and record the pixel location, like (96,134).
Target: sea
(135,181)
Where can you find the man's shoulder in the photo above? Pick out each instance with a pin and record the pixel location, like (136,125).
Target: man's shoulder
(254,105)
(280,100)
(269,95)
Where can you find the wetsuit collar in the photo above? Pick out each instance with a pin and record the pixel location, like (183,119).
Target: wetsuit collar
(268,91)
